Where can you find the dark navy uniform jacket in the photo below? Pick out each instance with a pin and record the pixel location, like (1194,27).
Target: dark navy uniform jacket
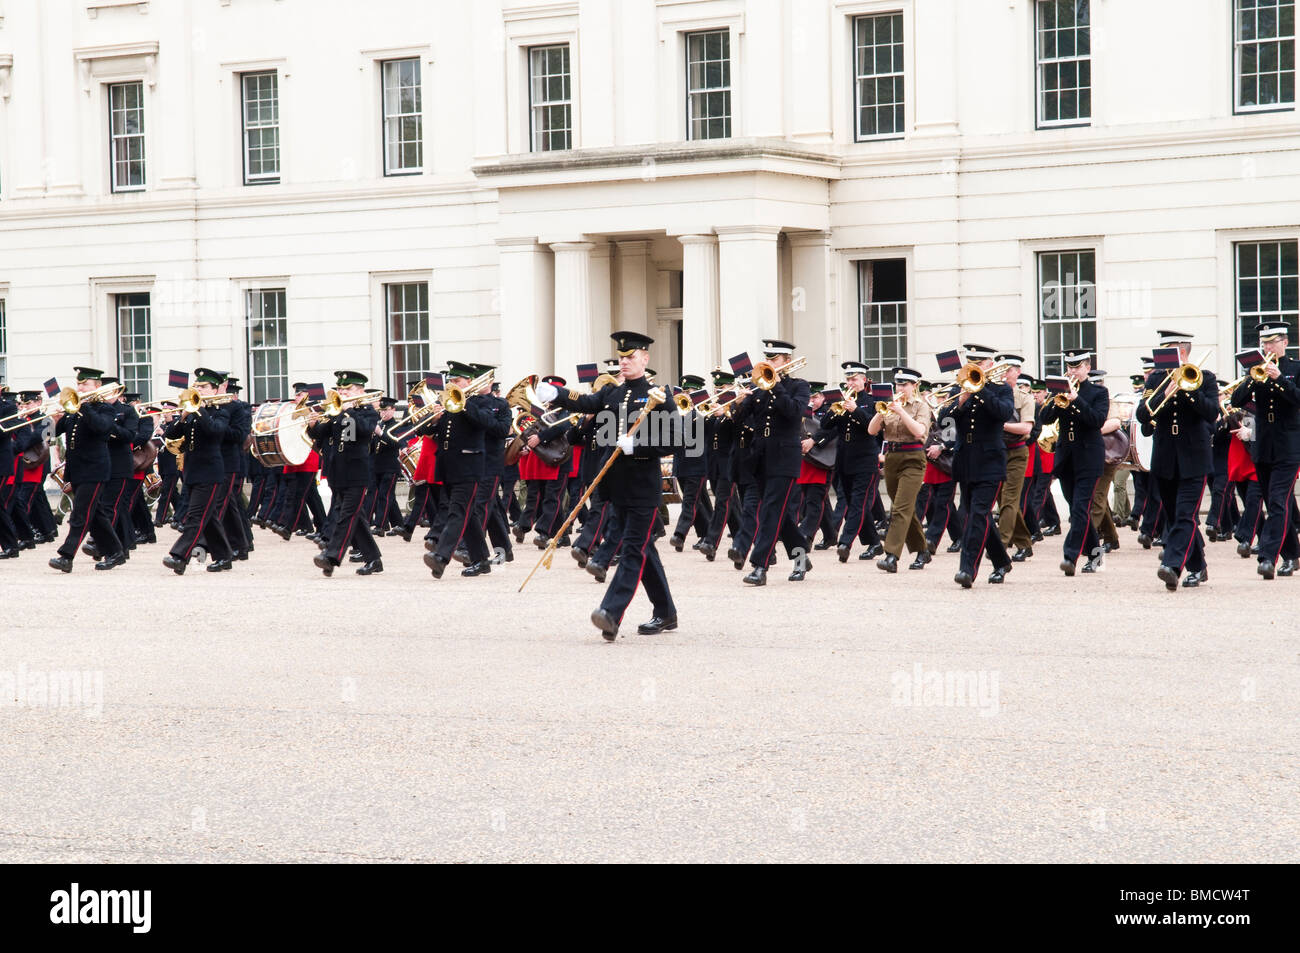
(202,447)
(494,436)
(240,417)
(775,419)
(86,447)
(385,451)
(1277,414)
(719,436)
(1183,445)
(122,436)
(586,435)
(7,450)
(459,438)
(636,480)
(859,451)
(980,453)
(693,464)
(1079,446)
(347,438)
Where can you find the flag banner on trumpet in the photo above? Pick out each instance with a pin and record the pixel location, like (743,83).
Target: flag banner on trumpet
(741,364)
(882,392)
(52,387)
(699,396)
(1250,358)
(1057,384)
(587,373)
(538,412)
(1166,358)
(949,361)
(316,391)
(725,397)
(832,396)
(178,379)
(435,382)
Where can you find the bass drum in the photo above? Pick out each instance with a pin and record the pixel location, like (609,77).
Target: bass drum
(409,458)
(1116,445)
(1139,448)
(280,435)
(669,485)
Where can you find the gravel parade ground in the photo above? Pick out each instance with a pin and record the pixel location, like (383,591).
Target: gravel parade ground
(271,714)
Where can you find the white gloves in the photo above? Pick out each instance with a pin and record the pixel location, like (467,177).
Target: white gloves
(626,444)
(547,392)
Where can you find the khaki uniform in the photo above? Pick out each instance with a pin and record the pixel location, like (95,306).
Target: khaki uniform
(904,472)
(1100,514)
(1011,522)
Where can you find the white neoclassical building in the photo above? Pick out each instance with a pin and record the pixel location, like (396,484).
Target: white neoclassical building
(285,187)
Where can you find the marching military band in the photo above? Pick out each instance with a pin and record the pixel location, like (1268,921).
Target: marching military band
(758,456)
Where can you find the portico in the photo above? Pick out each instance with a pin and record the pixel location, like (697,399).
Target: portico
(708,250)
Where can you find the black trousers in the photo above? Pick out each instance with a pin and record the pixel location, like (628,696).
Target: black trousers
(386,513)
(638,562)
(697,511)
(350,526)
(25,514)
(1184,544)
(1140,496)
(89,514)
(978,535)
(10,501)
(1154,519)
(751,494)
(942,514)
(1081,538)
(813,513)
(1027,510)
(726,511)
(1220,494)
(610,538)
(233,515)
(1277,485)
(141,520)
(549,515)
(861,490)
(39,512)
(295,514)
(776,520)
(423,500)
(116,499)
(201,522)
(463,521)
(1251,512)
(599,511)
(492,514)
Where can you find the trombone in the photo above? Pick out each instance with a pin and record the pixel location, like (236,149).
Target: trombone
(972,377)
(69,401)
(765,375)
(1259,373)
(190,401)
(1188,377)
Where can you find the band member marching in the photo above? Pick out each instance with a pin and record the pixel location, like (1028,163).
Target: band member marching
(979,466)
(775,415)
(1182,456)
(201,430)
(1078,410)
(634,483)
(1011,522)
(1272,386)
(347,434)
(905,426)
(857,462)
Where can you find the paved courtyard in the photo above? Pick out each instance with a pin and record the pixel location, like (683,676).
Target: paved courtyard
(270,714)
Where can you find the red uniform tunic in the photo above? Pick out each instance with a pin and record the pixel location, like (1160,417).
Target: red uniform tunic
(425,466)
(811,473)
(532,468)
(1240,467)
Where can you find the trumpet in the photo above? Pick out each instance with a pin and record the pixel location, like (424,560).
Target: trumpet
(849,395)
(1259,373)
(1188,377)
(882,408)
(683,402)
(766,375)
(1063,400)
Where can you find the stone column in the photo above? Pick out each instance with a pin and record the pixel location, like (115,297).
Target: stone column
(527,308)
(816,331)
(700,326)
(572,306)
(633,295)
(747,287)
(599,296)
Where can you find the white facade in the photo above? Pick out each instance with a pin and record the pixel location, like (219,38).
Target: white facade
(531,257)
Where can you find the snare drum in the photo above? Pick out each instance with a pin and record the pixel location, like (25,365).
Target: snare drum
(668,484)
(409,458)
(280,435)
(152,487)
